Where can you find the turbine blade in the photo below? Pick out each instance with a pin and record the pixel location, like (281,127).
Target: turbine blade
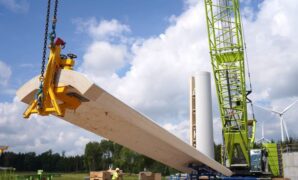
(289,107)
(266,140)
(267,109)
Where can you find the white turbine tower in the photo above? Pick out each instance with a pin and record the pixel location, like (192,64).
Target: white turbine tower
(283,125)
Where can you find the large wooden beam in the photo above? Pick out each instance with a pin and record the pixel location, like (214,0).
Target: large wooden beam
(106,116)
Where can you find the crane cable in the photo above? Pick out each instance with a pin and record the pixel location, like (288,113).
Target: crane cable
(39,94)
(250,86)
(248,71)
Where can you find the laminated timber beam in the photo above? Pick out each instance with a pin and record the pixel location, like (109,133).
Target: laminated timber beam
(106,116)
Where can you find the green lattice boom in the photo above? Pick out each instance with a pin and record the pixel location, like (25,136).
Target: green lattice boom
(227,58)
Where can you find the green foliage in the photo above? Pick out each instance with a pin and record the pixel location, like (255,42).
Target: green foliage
(101,156)
(217,152)
(98,156)
(48,161)
(93,154)
(7,173)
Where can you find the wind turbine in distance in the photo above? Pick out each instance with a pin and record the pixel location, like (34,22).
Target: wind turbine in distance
(283,125)
(263,139)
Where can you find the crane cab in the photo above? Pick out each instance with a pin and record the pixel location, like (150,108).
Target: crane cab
(259,161)
(256,160)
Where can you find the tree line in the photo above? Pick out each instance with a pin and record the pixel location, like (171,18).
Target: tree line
(48,161)
(98,156)
(106,154)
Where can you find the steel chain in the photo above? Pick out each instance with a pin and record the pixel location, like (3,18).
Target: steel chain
(53,33)
(44,52)
(55,12)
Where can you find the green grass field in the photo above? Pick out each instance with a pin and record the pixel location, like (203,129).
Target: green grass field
(74,176)
(80,176)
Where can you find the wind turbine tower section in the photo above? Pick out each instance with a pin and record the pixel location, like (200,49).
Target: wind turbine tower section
(201,124)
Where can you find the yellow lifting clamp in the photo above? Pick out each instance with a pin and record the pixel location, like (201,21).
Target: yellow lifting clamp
(51,99)
(2,149)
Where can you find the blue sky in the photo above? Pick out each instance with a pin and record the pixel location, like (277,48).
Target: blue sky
(22,28)
(143,52)
(23,31)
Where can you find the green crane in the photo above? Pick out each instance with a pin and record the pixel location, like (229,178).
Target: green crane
(226,46)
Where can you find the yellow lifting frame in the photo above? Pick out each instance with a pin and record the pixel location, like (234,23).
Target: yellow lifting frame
(2,149)
(55,99)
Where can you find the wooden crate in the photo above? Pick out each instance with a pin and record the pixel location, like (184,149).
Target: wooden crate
(100,175)
(149,176)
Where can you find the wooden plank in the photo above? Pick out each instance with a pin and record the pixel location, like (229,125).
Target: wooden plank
(108,117)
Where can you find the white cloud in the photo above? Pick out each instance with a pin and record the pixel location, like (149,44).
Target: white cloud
(157,81)
(82,141)
(17,6)
(274,65)
(103,30)
(108,28)
(102,59)
(39,134)
(5,73)
(272,49)
(160,67)
(190,3)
